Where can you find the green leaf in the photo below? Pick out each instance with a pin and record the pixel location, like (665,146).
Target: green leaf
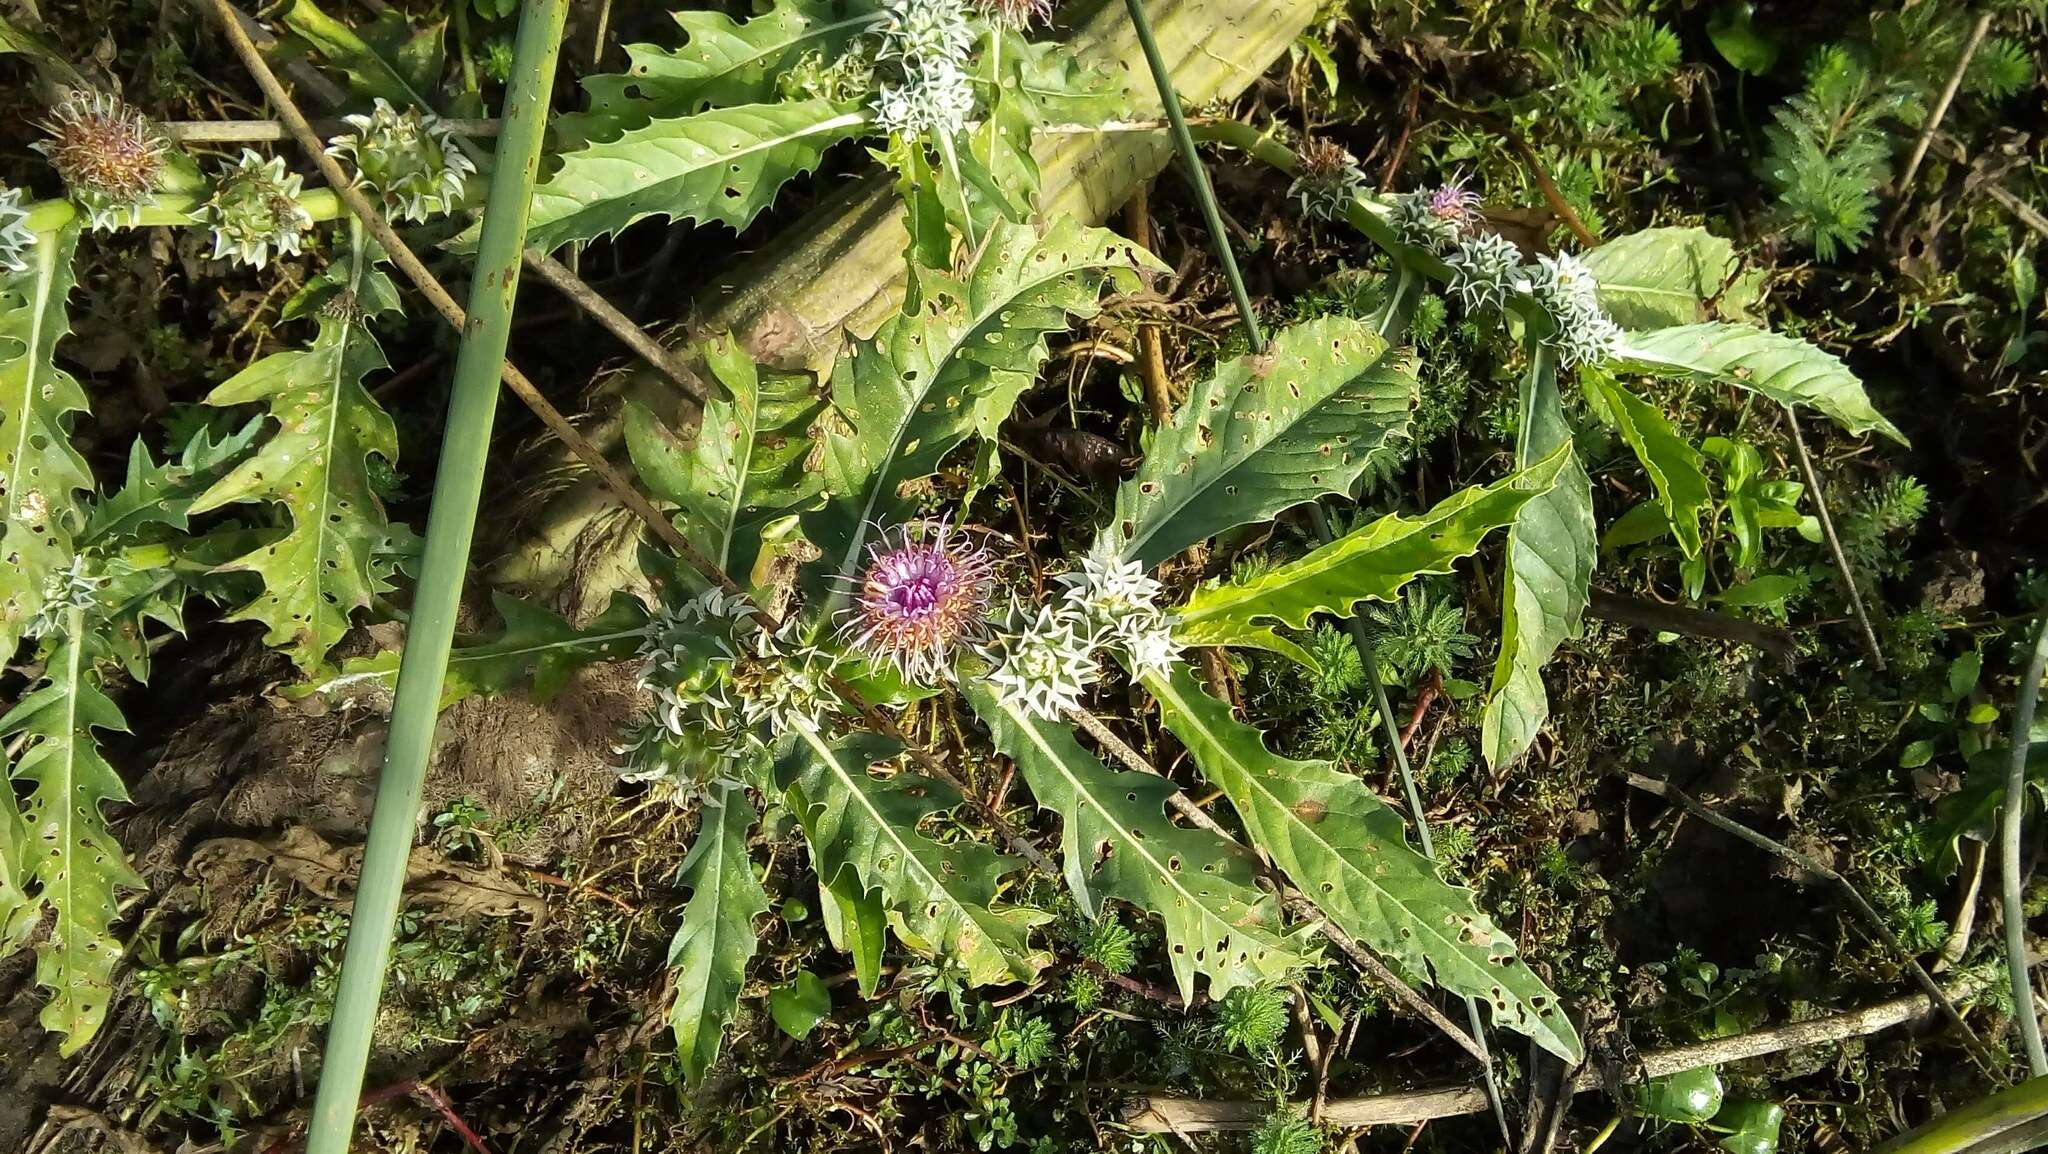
(716,938)
(856,923)
(1347,851)
(725,165)
(533,644)
(1661,277)
(1265,432)
(76,864)
(2010,1121)
(1733,31)
(402,65)
(19,910)
(41,475)
(1369,563)
(154,494)
(1759,592)
(316,464)
(1549,573)
(926,381)
(798,1007)
(1917,754)
(1687,1096)
(1116,842)
(1672,463)
(1785,369)
(942,895)
(1754,1127)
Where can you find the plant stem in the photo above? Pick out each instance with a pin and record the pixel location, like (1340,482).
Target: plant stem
(1197,175)
(451,525)
(1934,119)
(1827,528)
(2009,853)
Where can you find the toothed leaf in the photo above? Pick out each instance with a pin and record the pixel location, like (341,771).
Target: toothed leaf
(1785,369)
(716,938)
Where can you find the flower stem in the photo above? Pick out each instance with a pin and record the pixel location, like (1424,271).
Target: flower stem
(2009,853)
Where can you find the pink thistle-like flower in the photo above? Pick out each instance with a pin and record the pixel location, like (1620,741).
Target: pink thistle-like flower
(1455,203)
(924,590)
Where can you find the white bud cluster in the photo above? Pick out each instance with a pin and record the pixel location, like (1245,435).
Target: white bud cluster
(927,41)
(255,207)
(1041,661)
(15,237)
(1580,330)
(1486,268)
(1119,603)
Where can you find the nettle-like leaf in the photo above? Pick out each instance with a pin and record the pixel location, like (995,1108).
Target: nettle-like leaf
(162,494)
(1673,464)
(316,464)
(928,380)
(716,938)
(42,477)
(1550,559)
(76,865)
(745,468)
(1347,851)
(533,646)
(1661,277)
(724,165)
(1265,432)
(1117,842)
(941,895)
(1785,369)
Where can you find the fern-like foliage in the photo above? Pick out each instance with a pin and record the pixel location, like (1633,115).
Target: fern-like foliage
(1827,152)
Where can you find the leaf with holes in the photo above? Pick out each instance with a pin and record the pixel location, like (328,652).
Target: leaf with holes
(76,865)
(928,380)
(41,475)
(942,895)
(1550,560)
(1371,563)
(162,494)
(1672,463)
(1662,276)
(1265,432)
(716,938)
(1116,842)
(1785,369)
(1348,853)
(19,910)
(316,464)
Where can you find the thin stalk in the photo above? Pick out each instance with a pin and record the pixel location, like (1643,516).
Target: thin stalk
(1197,175)
(2009,853)
(1827,528)
(451,524)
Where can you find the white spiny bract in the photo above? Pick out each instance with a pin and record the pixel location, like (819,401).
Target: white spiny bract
(73,587)
(1437,218)
(782,685)
(15,236)
(688,657)
(1041,661)
(1580,330)
(1486,268)
(1328,181)
(408,159)
(927,41)
(255,207)
(109,155)
(1119,605)
(918,32)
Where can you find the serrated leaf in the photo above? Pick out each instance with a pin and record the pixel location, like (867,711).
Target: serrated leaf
(1348,852)
(1672,463)
(1661,277)
(19,911)
(1265,432)
(316,464)
(76,864)
(532,645)
(1785,369)
(41,475)
(1371,563)
(942,896)
(162,494)
(928,380)
(1116,842)
(724,165)
(1549,572)
(716,938)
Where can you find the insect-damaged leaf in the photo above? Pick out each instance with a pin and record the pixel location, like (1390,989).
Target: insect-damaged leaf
(716,938)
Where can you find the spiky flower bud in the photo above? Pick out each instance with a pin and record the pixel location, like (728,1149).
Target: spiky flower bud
(1438,218)
(927,41)
(782,684)
(935,99)
(1041,661)
(1329,179)
(1118,603)
(696,729)
(1580,330)
(1485,268)
(925,31)
(923,592)
(109,155)
(254,206)
(409,159)
(15,237)
(73,587)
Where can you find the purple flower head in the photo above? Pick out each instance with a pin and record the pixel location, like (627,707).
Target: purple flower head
(1454,202)
(924,590)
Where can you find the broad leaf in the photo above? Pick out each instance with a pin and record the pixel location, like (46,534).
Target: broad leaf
(1672,463)
(1265,432)
(1347,851)
(41,475)
(316,464)
(76,864)
(533,645)
(19,911)
(941,895)
(1549,572)
(1785,369)
(928,380)
(1661,277)
(725,165)
(1371,563)
(712,946)
(390,59)
(1117,842)
(856,923)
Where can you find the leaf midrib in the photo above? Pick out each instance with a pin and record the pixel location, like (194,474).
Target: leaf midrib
(46,276)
